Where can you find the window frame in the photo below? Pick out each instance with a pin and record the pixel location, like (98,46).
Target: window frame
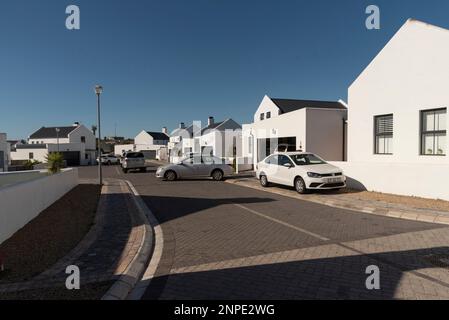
(422,133)
(262,116)
(268,115)
(376,135)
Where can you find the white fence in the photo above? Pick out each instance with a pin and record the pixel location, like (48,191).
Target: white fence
(419,180)
(22,202)
(8,178)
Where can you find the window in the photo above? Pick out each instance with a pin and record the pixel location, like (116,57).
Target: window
(83,139)
(383,134)
(268,115)
(433,132)
(272,160)
(86,156)
(262,116)
(31,156)
(307,159)
(283,160)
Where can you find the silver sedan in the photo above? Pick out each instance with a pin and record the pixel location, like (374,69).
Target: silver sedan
(193,167)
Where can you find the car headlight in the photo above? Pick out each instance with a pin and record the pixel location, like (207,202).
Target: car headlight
(314,175)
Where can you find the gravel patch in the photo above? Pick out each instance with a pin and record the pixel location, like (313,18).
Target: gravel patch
(413,202)
(50,236)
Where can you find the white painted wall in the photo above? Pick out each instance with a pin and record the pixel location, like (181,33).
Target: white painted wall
(8,178)
(409,75)
(266,106)
(24,154)
(143,138)
(292,124)
(22,202)
(408,179)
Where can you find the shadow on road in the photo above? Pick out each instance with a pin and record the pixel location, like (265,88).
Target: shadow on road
(170,208)
(323,278)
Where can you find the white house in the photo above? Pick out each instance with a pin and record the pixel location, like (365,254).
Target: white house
(76,143)
(221,139)
(397,118)
(182,142)
(152,144)
(312,126)
(4,153)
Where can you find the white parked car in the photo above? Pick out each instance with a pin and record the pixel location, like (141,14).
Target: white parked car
(196,165)
(133,161)
(109,159)
(302,170)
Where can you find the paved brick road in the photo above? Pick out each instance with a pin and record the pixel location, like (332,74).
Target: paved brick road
(223,241)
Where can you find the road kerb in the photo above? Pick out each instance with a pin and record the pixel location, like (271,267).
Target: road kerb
(121,289)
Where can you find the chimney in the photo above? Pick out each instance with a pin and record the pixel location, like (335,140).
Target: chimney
(76,124)
(164,130)
(210,121)
(182,125)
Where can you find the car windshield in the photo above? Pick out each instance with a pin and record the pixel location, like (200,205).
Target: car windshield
(306,159)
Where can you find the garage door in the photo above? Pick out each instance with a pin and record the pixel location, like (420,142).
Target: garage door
(149,154)
(72,158)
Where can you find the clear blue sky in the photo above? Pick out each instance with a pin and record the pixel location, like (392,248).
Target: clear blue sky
(166,61)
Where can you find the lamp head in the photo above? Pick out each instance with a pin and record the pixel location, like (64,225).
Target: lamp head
(98,89)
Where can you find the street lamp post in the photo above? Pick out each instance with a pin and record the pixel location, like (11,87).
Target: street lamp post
(99,91)
(57,137)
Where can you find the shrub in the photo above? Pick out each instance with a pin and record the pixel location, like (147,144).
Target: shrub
(55,162)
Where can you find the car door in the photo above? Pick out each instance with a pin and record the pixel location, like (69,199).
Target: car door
(285,174)
(271,168)
(186,169)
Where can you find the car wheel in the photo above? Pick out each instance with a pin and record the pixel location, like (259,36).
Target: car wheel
(109,162)
(217,175)
(143,169)
(264,181)
(300,185)
(170,176)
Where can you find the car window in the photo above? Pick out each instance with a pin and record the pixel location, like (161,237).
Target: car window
(135,155)
(272,160)
(307,159)
(282,160)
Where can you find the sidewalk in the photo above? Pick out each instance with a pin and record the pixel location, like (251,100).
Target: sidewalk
(349,202)
(109,257)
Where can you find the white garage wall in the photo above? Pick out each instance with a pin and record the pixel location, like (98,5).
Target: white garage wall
(408,179)
(22,202)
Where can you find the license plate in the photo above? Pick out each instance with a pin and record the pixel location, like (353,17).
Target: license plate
(333,180)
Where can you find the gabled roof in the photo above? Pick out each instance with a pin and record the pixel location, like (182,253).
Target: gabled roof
(221,126)
(50,133)
(289,105)
(158,135)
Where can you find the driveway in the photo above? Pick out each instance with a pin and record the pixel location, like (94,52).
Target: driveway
(223,241)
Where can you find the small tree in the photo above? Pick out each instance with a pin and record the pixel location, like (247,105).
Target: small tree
(55,162)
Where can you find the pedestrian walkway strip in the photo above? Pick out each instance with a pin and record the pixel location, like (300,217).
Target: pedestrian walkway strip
(282,222)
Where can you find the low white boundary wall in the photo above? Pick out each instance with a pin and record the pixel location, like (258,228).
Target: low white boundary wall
(419,180)
(22,202)
(8,178)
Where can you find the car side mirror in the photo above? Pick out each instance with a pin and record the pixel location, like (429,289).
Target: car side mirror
(180,163)
(288,165)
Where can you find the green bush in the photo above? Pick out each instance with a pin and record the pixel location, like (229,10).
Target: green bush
(29,164)
(55,162)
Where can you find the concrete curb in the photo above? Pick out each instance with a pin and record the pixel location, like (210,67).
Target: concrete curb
(139,290)
(129,278)
(428,217)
